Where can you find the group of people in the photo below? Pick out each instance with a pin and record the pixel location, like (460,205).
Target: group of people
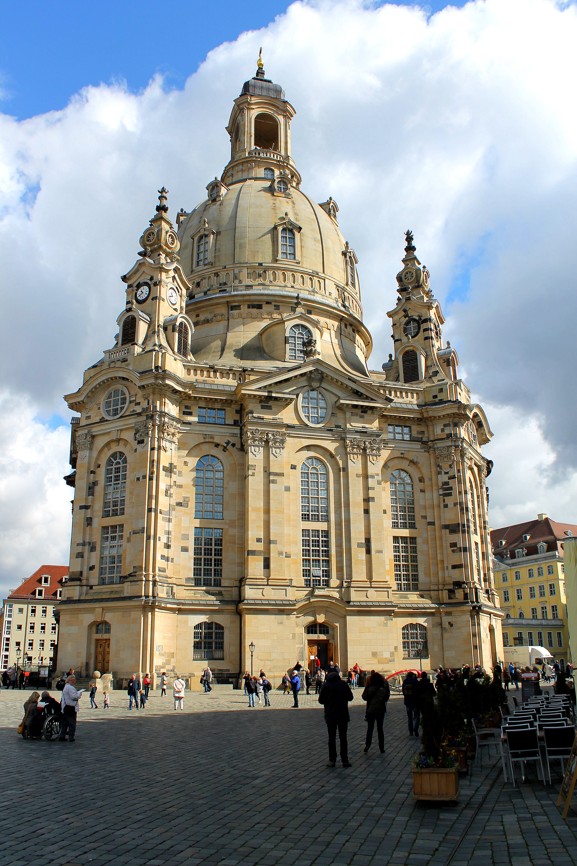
(257,688)
(38,705)
(14,677)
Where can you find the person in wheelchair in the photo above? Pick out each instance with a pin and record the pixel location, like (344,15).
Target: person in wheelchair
(51,713)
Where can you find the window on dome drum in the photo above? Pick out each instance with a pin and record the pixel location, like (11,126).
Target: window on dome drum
(269,173)
(318,628)
(314,406)
(115,402)
(402,500)
(110,554)
(505,595)
(202,244)
(406,564)
(128,331)
(282,186)
(114,485)
(351,275)
(297,337)
(410,366)
(287,243)
(414,638)
(265,132)
(103,628)
(209,488)
(314,491)
(315,557)
(208,641)
(183,341)
(208,415)
(398,431)
(207,557)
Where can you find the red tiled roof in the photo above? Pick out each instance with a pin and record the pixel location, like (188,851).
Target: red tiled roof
(550,531)
(28,587)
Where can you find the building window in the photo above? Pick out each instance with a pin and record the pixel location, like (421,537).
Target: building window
(32,610)
(45,580)
(552,589)
(549,638)
(542,592)
(41,645)
(473,506)
(559,639)
(183,339)
(208,415)
(414,638)
(59,594)
(315,557)
(520,553)
(405,563)
(318,628)
(519,638)
(550,569)
(521,615)
(297,337)
(534,613)
(202,247)
(287,242)
(505,639)
(115,402)
(505,577)
(114,485)
(209,489)
(544,611)
(103,628)
(282,186)
(478,561)
(207,562)
(531,572)
(519,593)
(208,641)
(31,627)
(399,431)
(554,611)
(411,366)
(53,627)
(128,331)
(540,571)
(505,596)
(269,173)
(314,491)
(110,554)
(39,592)
(517,575)
(42,628)
(30,646)
(530,638)
(314,406)
(43,611)
(540,638)
(541,547)
(402,500)
(532,592)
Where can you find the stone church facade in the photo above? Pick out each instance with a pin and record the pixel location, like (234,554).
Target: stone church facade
(242,477)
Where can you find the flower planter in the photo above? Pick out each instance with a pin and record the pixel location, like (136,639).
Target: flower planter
(436,783)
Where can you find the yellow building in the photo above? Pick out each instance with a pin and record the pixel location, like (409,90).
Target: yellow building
(241,475)
(530,579)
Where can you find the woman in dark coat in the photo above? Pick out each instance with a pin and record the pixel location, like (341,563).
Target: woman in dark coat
(377,692)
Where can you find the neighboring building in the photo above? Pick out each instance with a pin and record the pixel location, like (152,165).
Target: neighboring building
(29,627)
(571,590)
(530,580)
(242,477)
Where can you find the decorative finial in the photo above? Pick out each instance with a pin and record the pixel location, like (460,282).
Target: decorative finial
(410,247)
(162,199)
(259,65)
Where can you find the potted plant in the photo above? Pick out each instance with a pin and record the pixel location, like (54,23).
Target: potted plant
(435,771)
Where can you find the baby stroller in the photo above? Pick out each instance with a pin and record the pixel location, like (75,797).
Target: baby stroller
(51,718)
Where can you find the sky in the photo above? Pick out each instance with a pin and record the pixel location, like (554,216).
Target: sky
(455,121)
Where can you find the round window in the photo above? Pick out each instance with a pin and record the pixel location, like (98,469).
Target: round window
(314,407)
(115,402)
(282,185)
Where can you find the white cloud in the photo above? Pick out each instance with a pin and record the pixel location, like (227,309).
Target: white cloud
(457,125)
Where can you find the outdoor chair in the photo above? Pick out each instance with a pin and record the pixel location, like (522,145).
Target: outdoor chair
(558,744)
(523,748)
(487,738)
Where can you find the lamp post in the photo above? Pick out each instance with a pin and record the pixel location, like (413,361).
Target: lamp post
(252,648)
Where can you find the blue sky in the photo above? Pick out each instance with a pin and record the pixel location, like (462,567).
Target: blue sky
(58,48)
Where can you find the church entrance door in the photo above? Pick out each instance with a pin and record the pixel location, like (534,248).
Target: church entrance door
(323,649)
(102,655)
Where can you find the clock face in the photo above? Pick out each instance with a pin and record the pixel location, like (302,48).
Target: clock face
(142,292)
(172,296)
(408,275)
(412,327)
(149,236)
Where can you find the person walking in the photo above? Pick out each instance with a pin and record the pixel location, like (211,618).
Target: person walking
(207,674)
(266,688)
(106,703)
(163,684)
(93,704)
(409,690)
(295,682)
(319,680)
(178,688)
(246,678)
(250,688)
(146,683)
(334,697)
(69,703)
(376,693)
(308,682)
(133,691)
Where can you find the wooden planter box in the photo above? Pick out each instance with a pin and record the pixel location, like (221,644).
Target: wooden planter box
(436,784)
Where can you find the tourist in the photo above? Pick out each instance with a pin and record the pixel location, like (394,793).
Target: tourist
(31,725)
(69,703)
(250,689)
(178,688)
(409,690)
(259,688)
(308,682)
(295,681)
(335,696)
(247,677)
(133,691)
(93,704)
(267,687)
(376,693)
(286,682)
(146,683)
(319,680)
(207,676)
(163,684)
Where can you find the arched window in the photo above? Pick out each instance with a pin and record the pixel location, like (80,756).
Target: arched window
(402,500)
(269,173)
(114,485)
(287,244)
(202,244)
(297,337)
(410,366)
(209,488)
(208,641)
(415,645)
(128,331)
(314,491)
(318,628)
(265,132)
(183,341)
(351,274)
(103,628)
(473,507)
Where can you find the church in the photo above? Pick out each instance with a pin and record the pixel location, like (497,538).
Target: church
(247,491)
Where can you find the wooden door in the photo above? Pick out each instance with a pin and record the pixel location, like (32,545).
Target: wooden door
(102,655)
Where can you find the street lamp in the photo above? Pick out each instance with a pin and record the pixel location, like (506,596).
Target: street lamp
(252,648)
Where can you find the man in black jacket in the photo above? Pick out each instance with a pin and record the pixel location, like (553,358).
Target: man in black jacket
(335,696)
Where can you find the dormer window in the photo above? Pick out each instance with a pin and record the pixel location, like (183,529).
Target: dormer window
(202,246)
(541,547)
(287,239)
(502,543)
(287,244)
(526,537)
(128,331)
(297,337)
(520,552)
(45,580)
(39,592)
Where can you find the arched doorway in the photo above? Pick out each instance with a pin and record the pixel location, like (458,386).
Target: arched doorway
(102,647)
(320,644)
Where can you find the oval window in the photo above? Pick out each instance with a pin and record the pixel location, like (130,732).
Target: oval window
(314,407)
(115,402)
